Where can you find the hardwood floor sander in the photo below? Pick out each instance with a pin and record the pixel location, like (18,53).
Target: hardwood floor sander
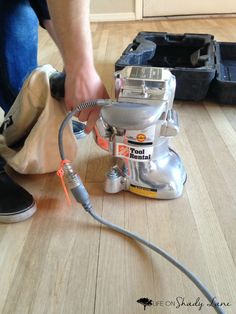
(135,129)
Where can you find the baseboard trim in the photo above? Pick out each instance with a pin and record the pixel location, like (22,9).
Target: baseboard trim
(112,17)
(189,16)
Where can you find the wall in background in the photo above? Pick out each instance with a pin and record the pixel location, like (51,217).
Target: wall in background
(112,10)
(112,6)
(152,8)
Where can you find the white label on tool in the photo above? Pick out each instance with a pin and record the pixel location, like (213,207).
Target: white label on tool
(133,152)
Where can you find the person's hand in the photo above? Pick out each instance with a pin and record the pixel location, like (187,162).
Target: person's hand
(83,85)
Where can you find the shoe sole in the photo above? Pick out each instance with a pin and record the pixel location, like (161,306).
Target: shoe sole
(8,219)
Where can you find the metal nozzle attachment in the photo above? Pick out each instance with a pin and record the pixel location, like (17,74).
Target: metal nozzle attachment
(76,186)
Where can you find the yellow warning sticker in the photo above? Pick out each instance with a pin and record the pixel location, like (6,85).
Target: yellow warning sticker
(141,137)
(152,193)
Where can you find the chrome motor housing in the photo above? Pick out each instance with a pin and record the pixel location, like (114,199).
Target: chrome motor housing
(136,129)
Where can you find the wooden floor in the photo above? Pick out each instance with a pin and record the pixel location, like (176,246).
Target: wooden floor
(61,261)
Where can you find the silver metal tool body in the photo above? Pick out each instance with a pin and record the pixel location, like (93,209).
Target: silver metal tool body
(136,129)
(162,165)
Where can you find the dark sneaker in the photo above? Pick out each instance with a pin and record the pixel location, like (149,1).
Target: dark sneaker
(16,204)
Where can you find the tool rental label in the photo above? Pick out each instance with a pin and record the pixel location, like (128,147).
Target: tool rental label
(133,152)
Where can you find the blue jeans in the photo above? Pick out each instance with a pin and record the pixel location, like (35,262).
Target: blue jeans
(19,21)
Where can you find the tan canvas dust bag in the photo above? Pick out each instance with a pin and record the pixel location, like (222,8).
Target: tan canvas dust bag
(36,117)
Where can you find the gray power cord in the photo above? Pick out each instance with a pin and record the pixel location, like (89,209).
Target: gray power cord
(81,195)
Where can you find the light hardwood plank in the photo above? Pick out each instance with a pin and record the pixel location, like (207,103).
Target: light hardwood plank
(62,261)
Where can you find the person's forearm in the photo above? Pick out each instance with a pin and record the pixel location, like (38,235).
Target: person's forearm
(72,27)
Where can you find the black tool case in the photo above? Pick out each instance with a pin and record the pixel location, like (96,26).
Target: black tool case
(223,87)
(196,60)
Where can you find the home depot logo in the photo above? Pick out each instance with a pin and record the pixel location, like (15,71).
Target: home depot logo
(123,150)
